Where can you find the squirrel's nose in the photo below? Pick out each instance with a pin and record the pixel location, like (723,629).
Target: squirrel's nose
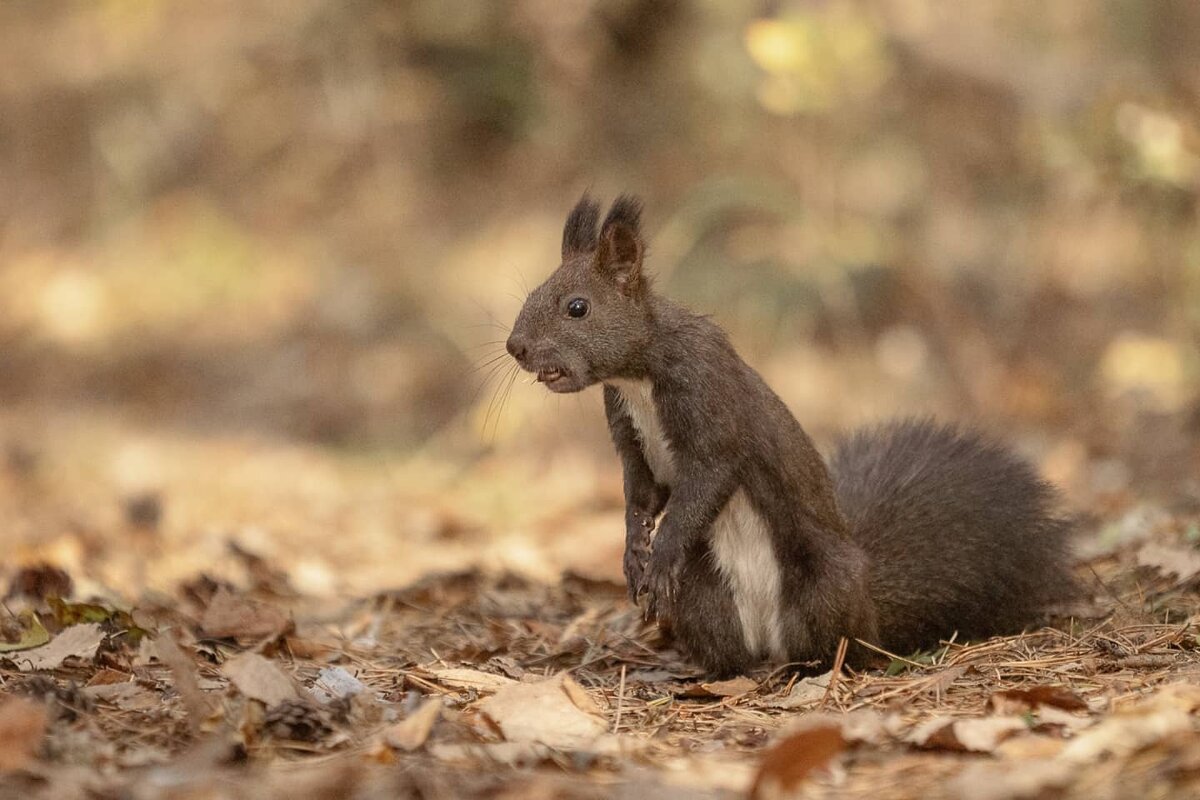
(517,348)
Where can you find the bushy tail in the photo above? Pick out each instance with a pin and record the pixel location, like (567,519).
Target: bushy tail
(962,534)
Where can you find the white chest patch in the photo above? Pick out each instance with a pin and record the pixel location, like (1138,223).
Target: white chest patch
(638,397)
(741,541)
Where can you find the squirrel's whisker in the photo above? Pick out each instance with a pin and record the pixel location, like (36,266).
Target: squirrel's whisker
(488,377)
(490,360)
(505,377)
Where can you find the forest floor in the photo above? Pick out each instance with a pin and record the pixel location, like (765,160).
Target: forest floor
(230,630)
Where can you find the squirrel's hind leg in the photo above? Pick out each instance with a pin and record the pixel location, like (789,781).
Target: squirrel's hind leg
(706,626)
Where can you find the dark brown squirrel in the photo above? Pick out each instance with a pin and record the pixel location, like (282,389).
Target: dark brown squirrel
(914,533)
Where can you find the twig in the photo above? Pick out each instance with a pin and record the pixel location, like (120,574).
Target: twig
(620,700)
(838,661)
(883,652)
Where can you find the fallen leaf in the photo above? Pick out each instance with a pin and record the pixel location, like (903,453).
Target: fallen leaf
(1024,748)
(966,735)
(542,712)
(793,759)
(805,692)
(128,696)
(33,634)
(240,617)
(75,613)
(731,688)
(1016,701)
(22,725)
(106,676)
(1122,734)
(864,725)
(77,641)
(1164,713)
(1182,696)
(260,679)
(1001,781)
(580,697)
(1170,559)
(335,683)
(869,726)
(703,775)
(461,678)
(1049,716)
(413,731)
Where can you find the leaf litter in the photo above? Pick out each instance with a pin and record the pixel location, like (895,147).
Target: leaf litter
(485,682)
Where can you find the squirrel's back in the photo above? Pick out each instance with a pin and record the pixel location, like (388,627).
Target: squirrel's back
(962,535)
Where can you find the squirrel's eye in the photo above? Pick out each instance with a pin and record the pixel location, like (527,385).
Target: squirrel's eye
(577,308)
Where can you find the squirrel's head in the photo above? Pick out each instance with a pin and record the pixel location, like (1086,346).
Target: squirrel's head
(590,319)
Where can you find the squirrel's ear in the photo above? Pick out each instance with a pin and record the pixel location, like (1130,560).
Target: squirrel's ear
(579,233)
(621,249)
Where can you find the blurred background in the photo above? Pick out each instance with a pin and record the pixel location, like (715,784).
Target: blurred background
(255,256)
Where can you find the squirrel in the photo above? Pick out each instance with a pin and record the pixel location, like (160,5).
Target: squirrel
(913,533)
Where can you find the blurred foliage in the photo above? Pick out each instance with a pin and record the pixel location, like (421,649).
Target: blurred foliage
(305,218)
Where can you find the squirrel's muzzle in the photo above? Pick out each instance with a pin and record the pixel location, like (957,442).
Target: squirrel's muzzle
(517,347)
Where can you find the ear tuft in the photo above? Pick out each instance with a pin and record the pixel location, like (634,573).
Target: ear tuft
(579,232)
(626,210)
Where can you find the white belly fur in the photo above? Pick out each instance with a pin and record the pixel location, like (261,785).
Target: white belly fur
(741,541)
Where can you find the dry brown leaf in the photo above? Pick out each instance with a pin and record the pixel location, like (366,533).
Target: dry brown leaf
(335,683)
(1165,713)
(869,726)
(260,679)
(22,725)
(107,676)
(864,725)
(77,641)
(805,692)
(413,731)
(704,775)
(1025,748)
(728,688)
(1052,716)
(794,758)
(240,617)
(1123,734)
(128,696)
(1004,781)
(733,687)
(542,712)
(580,697)
(970,735)
(1017,701)
(1181,696)
(462,678)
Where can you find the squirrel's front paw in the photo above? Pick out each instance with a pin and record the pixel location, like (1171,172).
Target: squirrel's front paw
(661,582)
(638,528)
